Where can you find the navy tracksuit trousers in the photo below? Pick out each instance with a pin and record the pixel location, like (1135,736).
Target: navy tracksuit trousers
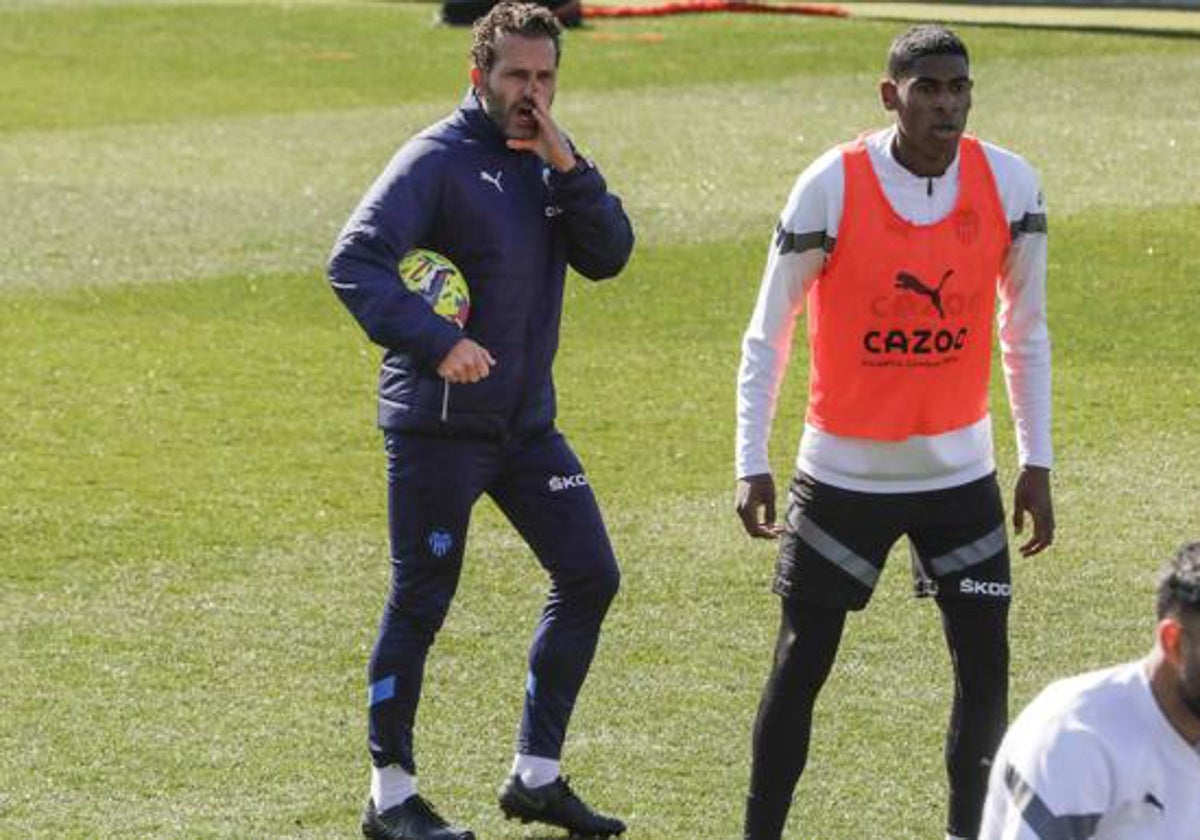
(540,487)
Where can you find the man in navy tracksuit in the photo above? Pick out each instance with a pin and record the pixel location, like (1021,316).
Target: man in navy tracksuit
(498,189)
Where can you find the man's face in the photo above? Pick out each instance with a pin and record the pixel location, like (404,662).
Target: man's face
(1189,664)
(525,71)
(932,102)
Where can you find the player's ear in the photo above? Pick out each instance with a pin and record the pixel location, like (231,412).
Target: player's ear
(889,94)
(1170,640)
(476,78)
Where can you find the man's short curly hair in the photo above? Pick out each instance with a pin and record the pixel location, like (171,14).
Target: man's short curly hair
(509,18)
(1179,585)
(918,42)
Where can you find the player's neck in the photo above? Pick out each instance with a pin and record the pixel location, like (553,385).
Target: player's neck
(922,161)
(1164,685)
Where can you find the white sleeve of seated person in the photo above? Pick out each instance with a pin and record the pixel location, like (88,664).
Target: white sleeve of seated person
(767,343)
(1046,779)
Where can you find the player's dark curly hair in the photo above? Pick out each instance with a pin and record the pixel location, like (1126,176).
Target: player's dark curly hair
(918,42)
(1179,585)
(508,18)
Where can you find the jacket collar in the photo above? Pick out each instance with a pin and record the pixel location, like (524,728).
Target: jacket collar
(478,123)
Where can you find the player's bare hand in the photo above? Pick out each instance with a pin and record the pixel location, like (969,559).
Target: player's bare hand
(466,362)
(1032,496)
(754,499)
(549,143)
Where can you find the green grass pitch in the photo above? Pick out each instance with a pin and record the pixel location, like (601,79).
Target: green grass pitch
(192,544)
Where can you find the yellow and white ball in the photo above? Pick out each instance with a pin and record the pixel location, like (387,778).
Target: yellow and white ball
(439,281)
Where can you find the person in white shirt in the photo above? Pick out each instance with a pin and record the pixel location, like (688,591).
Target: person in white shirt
(1112,754)
(900,247)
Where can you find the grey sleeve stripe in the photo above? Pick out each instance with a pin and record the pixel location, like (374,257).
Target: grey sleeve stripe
(1045,823)
(1029,223)
(835,552)
(965,556)
(789,243)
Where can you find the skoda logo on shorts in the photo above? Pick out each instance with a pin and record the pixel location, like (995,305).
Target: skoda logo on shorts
(558,483)
(986,588)
(440,541)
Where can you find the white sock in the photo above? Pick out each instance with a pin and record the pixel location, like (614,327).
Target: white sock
(534,770)
(390,786)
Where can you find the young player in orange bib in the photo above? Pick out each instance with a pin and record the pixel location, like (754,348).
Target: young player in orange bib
(900,246)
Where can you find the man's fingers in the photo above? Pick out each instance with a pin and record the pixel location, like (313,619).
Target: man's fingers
(541,108)
(1032,497)
(467,364)
(473,371)
(478,368)
(1043,533)
(758,518)
(1034,546)
(473,374)
(767,531)
(748,512)
(549,144)
(757,529)
(547,128)
(754,501)
(749,521)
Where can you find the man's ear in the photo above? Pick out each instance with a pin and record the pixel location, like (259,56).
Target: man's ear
(477,79)
(889,94)
(1170,640)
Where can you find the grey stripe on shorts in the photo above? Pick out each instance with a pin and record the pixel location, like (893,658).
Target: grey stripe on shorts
(971,554)
(835,552)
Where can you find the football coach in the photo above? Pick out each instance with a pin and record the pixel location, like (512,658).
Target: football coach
(498,189)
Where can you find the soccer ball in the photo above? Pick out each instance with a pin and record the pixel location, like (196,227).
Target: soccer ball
(439,281)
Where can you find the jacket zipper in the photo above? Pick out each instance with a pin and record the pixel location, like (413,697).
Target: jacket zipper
(445,401)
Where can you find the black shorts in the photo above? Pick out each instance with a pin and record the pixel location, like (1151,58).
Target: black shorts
(835,542)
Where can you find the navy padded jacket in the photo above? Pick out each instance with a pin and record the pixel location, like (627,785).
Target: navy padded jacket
(511,224)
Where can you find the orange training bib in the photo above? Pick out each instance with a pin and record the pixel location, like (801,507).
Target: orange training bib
(900,319)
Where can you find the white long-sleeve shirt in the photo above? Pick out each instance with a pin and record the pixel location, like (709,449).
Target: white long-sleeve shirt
(1094,757)
(806,235)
